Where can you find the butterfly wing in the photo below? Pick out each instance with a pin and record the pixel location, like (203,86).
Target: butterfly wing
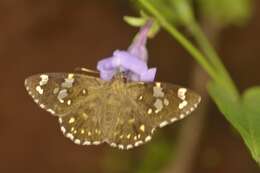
(130,128)
(163,103)
(60,93)
(143,107)
(106,117)
(124,117)
(83,126)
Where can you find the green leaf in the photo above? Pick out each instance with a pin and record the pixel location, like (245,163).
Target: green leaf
(227,12)
(229,104)
(251,102)
(141,21)
(242,112)
(154,30)
(135,21)
(183,10)
(164,6)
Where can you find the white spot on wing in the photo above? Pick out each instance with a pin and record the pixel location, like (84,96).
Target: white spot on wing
(96,142)
(71,120)
(157,91)
(70,136)
(42,106)
(158,104)
(25,82)
(148,138)
(129,146)
(51,111)
(166,102)
(63,129)
(182,93)
(86,143)
(68,83)
(84,91)
(121,146)
(183,104)
(113,145)
(158,84)
(138,143)
(69,102)
(39,89)
(182,116)
(56,90)
(174,119)
(164,123)
(44,79)
(153,130)
(62,94)
(149,111)
(142,128)
(77,141)
(70,76)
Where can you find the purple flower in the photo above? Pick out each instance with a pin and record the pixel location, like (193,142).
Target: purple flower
(132,62)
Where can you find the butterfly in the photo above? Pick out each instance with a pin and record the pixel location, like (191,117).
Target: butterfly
(123,114)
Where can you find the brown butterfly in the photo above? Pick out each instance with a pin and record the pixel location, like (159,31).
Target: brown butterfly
(121,113)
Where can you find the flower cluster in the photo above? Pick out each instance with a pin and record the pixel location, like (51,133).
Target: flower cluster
(133,62)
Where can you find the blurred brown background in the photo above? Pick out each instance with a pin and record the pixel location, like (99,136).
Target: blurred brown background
(59,35)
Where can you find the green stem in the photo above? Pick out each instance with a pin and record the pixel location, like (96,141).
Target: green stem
(182,40)
(211,62)
(211,54)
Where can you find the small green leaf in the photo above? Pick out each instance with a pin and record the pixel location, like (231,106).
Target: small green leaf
(229,104)
(251,102)
(164,6)
(243,113)
(154,30)
(135,21)
(141,21)
(183,10)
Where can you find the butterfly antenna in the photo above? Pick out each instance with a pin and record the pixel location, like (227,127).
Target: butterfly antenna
(86,70)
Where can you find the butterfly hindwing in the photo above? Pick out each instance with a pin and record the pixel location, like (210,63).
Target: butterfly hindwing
(127,117)
(83,126)
(60,93)
(131,128)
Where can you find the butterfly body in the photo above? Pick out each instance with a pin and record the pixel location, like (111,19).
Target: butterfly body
(122,113)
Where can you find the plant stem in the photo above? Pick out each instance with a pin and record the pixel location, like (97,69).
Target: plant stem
(179,37)
(211,54)
(215,69)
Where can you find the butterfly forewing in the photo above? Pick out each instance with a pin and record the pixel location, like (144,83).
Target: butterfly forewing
(163,103)
(60,93)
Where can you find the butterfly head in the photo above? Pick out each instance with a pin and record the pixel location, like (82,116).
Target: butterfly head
(120,77)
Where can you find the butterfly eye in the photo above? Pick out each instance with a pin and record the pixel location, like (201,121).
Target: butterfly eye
(124,78)
(121,76)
